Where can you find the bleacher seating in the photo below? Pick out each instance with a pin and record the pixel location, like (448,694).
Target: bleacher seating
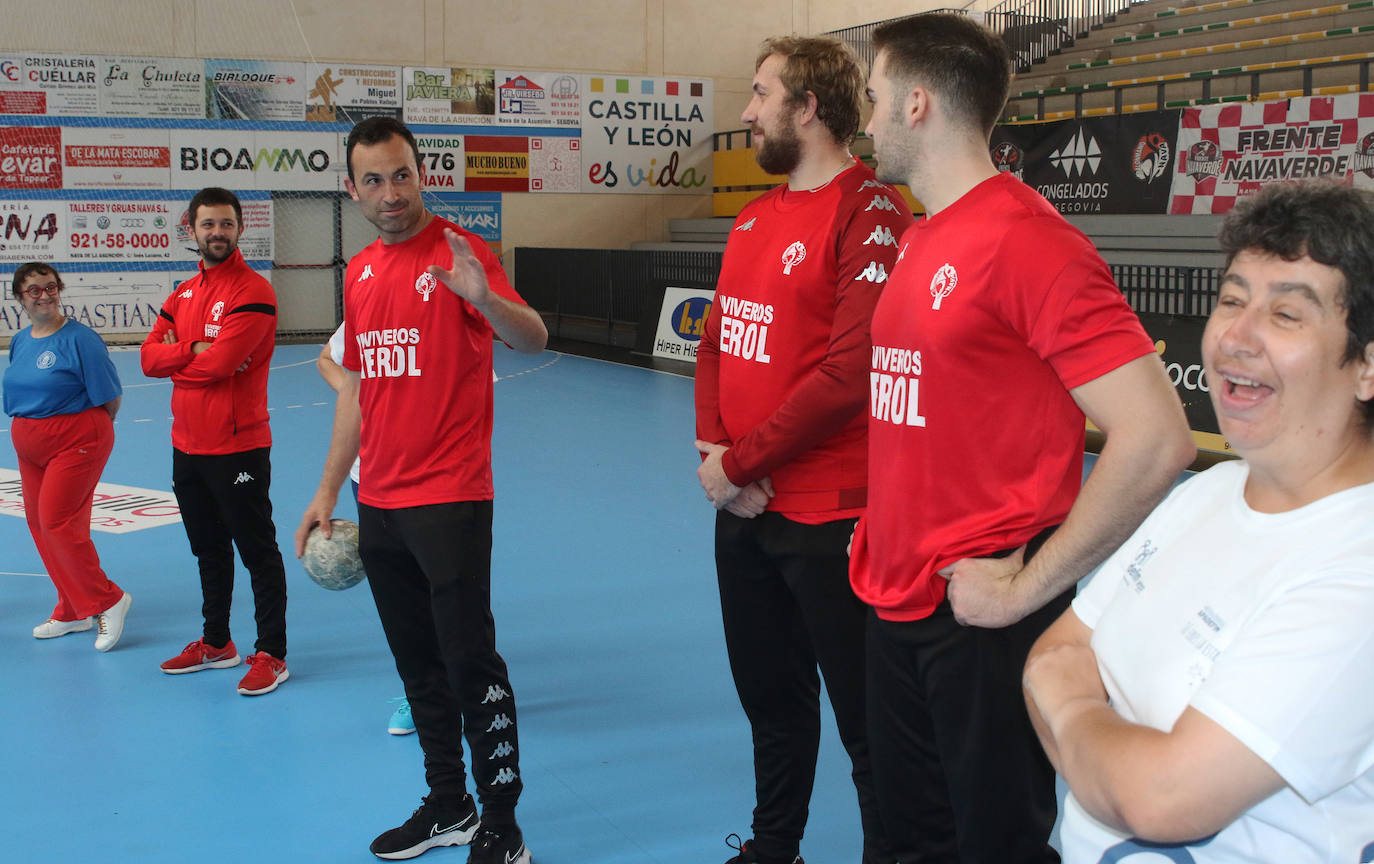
(1159,55)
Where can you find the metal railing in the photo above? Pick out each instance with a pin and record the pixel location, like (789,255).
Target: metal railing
(1361,80)
(1032,29)
(612,297)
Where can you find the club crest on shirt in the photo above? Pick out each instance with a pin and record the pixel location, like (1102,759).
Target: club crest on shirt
(217,311)
(47,360)
(794,255)
(426,284)
(942,284)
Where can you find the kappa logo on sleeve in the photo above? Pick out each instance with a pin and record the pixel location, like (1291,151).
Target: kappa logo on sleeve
(367,273)
(881,236)
(747,226)
(881,202)
(874,272)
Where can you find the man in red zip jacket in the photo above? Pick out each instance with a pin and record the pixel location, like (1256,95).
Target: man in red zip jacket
(214,338)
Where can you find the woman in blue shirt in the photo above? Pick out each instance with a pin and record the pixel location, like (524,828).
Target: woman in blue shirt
(62,391)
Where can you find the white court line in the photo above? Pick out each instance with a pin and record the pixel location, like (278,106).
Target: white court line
(556,356)
(167,381)
(631,365)
(10,573)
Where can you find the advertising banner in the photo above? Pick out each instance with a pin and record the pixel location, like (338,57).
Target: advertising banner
(100,158)
(259,235)
(123,231)
(141,229)
(538,99)
(1178,339)
(480,214)
(496,163)
(450,96)
(1118,164)
(52,84)
(646,135)
(681,321)
(108,303)
(152,87)
(555,164)
(442,158)
(254,90)
(1229,151)
(347,93)
(30,157)
(32,230)
(264,159)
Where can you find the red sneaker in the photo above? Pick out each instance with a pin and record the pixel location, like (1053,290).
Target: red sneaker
(198,656)
(266,674)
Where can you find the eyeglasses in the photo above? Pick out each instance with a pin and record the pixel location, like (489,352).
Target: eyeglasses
(36,291)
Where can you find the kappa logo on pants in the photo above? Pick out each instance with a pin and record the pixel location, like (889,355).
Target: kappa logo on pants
(494,694)
(505,775)
(502,750)
(243,477)
(501,722)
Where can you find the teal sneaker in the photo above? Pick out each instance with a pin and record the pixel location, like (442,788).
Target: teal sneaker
(401,722)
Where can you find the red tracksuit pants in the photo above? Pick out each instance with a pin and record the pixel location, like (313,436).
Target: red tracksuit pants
(60,460)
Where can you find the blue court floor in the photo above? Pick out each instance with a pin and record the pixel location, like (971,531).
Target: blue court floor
(635,750)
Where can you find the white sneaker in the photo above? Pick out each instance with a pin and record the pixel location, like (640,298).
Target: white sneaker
(52,628)
(110,623)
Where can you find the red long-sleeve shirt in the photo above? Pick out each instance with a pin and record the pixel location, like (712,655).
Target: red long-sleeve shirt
(217,409)
(782,369)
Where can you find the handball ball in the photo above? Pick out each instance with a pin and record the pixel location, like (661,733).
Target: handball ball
(333,562)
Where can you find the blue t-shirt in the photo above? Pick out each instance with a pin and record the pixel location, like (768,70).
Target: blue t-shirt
(64,373)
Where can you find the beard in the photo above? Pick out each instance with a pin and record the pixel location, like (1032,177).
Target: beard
(210,257)
(781,150)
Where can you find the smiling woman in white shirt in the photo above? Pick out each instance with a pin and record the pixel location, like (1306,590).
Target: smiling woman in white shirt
(1209,697)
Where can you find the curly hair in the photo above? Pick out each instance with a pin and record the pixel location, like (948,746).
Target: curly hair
(827,68)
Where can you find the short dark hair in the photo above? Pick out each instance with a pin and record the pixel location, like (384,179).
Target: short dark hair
(826,67)
(375,130)
(1327,221)
(953,55)
(34,268)
(214,196)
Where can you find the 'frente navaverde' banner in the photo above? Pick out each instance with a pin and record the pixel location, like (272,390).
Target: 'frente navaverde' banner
(1118,164)
(1229,151)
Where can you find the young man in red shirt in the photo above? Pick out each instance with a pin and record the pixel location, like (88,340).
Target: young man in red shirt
(214,338)
(781,376)
(421,305)
(999,329)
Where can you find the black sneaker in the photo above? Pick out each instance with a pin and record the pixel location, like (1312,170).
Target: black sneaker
(499,845)
(435,823)
(746,852)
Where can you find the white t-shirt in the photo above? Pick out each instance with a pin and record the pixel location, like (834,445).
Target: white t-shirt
(336,349)
(1264,623)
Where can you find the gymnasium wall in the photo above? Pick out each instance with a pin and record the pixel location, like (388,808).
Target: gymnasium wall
(708,38)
